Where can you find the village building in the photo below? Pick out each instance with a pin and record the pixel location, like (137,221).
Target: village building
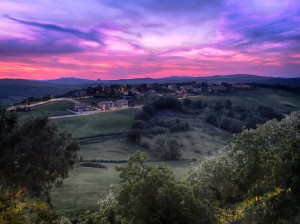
(172,86)
(121,103)
(186,88)
(196,90)
(105,105)
(216,88)
(80,107)
(242,86)
(150,92)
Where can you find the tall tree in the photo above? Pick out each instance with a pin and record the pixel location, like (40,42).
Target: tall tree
(150,194)
(34,156)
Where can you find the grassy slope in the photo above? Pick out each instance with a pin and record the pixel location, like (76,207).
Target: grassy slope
(277,99)
(101,123)
(56,108)
(85,186)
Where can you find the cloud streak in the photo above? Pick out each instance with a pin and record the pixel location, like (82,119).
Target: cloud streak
(121,39)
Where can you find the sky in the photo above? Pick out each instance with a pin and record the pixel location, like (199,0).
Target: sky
(121,39)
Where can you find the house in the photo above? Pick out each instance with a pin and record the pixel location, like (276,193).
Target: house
(150,92)
(105,105)
(172,86)
(216,88)
(196,90)
(80,107)
(242,86)
(121,103)
(186,88)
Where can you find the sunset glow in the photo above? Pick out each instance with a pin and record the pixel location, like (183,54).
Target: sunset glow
(116,39)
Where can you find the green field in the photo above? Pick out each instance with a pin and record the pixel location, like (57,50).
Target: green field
(56,108)
(86,186)
(100,123)
(281,101)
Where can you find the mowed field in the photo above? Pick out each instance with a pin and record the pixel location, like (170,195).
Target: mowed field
(96,124)
(281,101)
(86,186)
(55,108)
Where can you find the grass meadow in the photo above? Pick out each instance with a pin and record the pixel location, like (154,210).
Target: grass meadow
(85,186)
(282,101)
(55,108)
(100,123)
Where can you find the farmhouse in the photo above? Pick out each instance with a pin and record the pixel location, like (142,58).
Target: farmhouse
(216,88)
(121,103)
(105,105)
(242,86)
(80,107)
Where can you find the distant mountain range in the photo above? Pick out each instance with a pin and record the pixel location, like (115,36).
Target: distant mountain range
(15,90)
(237,78)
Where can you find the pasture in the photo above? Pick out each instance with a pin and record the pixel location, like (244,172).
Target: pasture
(85,186)
(95,124)
(281,101)
(55,108)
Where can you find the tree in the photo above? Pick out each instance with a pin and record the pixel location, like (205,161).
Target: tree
(218,108)
(149,109)
(134,135)
(142,115)
(197,104)
(150,194)
(138,124)
(167,148)
(262,162)
(212,119)
(34,156)
(228,104)
(187,102)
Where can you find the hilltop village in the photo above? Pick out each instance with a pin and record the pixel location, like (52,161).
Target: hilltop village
(113,97)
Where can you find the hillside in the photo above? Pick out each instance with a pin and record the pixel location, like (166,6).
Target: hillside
(15,90)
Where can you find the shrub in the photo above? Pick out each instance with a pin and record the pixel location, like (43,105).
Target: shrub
(212,119)
(138,124)
(134,136)
(197,104)
(142,115)
(149,109)
(187,102)
(158,130)
(230,113)
(145,143)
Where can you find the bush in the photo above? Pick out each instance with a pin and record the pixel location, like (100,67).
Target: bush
(142,115)
(145,143)
(218,108)
(158,130)
(167,103)
(225,124)
(230,113)
(167,148)
(134,136)
(197,104)
(179,127)
(149,109)
(187,102)
(138,124)
(212,119)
